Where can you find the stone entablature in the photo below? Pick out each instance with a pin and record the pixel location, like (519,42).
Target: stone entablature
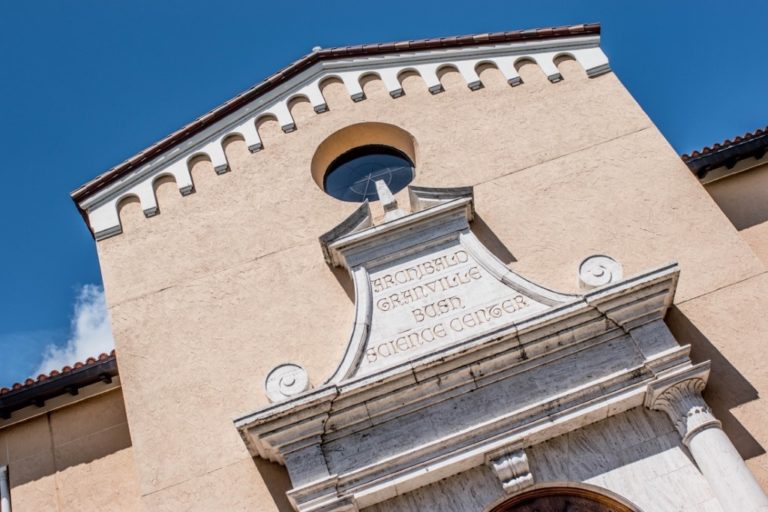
(374,431)
(101,207)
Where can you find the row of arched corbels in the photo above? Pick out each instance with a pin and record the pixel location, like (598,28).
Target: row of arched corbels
(105,220)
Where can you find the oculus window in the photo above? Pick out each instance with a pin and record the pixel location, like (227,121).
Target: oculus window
(352,176)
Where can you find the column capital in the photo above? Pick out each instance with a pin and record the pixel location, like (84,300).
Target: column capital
(679,395)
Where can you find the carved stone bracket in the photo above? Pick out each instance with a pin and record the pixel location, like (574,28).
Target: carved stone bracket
(511,467)
(680,397)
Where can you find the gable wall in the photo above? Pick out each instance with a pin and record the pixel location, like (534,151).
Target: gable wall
(224,284)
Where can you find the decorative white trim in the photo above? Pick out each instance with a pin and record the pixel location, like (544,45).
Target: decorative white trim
(102,206)
(511,467)
(679,395)
(599,270)
(284,381)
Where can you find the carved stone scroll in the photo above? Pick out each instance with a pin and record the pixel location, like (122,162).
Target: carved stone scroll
(599,270)
(511,467)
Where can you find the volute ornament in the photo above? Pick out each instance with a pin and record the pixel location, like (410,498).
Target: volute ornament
(286,380)
(599,270)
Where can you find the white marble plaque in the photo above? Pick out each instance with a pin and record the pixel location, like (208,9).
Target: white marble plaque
(434,299)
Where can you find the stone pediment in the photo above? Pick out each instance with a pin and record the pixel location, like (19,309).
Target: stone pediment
(424,282)
(467,370)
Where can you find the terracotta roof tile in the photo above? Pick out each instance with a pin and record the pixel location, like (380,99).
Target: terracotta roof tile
(726,143)
(53,374)
(728,153)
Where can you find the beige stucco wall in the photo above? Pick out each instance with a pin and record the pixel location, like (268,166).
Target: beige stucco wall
(224,284)
(742,196)
(75,458)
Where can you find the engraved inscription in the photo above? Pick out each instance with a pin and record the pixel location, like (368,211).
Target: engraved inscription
(419,336)
(419,271)
(435,301)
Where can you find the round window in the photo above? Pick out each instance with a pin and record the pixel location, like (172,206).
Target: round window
(353,175)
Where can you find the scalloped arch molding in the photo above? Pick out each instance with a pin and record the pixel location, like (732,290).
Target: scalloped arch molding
(102,207)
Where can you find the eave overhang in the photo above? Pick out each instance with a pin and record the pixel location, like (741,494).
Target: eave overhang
(37,394)
(729,157)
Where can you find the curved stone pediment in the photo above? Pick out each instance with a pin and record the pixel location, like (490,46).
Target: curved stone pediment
(424,282)
(456,361)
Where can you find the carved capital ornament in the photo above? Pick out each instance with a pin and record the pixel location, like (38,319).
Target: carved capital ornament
(680,397)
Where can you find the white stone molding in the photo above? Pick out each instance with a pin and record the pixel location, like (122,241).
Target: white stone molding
(599,270)
(101,207)
(438,232)
(511,467)
(422,198)
(388,202)
(284,381)
(679,395)
(374,431)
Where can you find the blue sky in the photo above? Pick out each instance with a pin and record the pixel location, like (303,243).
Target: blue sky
(85,84)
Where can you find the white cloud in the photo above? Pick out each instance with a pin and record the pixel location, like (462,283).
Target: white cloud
(90,332)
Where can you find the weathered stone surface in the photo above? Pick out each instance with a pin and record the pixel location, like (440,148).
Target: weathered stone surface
(637,455)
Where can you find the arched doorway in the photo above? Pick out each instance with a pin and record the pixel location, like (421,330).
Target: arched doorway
(564,497)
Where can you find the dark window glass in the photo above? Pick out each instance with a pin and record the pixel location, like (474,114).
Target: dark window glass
(352,176)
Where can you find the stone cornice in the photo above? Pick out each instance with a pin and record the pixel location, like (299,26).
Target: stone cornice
(101,206)
(510,465)
(554,329)
(289,431)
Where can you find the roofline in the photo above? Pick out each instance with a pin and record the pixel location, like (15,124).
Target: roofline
(728,153)
(69,380)
(304,63)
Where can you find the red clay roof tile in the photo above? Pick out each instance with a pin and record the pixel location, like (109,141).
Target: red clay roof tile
(55,373)
(751,144)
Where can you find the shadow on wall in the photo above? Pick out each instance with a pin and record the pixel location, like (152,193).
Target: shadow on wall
(68,437)
(727,388)
(277,481)
(492,242)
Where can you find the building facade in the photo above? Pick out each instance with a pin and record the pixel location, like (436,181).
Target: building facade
(461,274)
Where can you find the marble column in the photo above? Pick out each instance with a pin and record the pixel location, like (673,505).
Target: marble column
(729,477)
